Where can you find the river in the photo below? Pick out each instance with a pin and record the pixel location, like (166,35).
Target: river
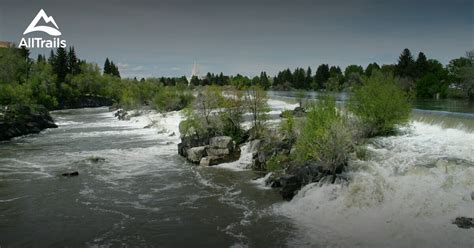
(142,194)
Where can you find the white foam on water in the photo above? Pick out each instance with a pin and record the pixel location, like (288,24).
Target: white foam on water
(244,161)
(261,182)
(406,195)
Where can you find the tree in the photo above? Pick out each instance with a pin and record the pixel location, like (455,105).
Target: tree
(466,75)
(114,71)
(60,65)
(107,69)
(263,80)
(350,69)
(370,68)
(256,100)
(421,66)
(309,77)
(72,62)
(406,64)
(322,76)
(380,104)
(352,75)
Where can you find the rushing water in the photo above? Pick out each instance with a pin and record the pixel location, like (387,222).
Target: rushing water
(143,194)
(406,193)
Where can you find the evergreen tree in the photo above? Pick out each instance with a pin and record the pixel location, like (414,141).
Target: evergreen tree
(51,58)
(114,71)
(107,67)
(309,77)
(73,64)
(406,64)
(61,64)
(322,76)
(421,65)
(264,82)
(335,71)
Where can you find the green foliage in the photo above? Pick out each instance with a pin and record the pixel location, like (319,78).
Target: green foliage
(256,101)
(111,69)
(406,65)
(231,113)
(15,93)
(325,136)
(169,98)
(371,68)
(287,125)
(322,76)
(380,104)
(275,163)
(192,124)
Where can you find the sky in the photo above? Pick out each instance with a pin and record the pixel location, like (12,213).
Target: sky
(165,37)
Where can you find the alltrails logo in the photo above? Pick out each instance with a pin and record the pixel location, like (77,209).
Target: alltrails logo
(38,42)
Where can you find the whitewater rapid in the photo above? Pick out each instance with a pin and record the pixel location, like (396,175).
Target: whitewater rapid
(406,194)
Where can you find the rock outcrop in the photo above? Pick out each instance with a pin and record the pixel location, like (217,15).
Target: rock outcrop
(209,151)
(86,101)
(18,120)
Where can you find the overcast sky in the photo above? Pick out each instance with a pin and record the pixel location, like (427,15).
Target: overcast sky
(164,37)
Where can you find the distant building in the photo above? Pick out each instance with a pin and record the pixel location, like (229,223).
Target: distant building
(194,73)
(5,44)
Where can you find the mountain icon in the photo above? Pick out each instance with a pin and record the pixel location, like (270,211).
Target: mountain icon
(47,29)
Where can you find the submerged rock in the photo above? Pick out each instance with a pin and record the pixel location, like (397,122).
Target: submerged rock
(464,222)
(70,174)
(122,115)
(94,159)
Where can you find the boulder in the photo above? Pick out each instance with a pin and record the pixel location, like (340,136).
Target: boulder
(205,161)
(195,154)
(290,185)
(189,142)
(222,142)
(464,222)
(215,160)
(218,152)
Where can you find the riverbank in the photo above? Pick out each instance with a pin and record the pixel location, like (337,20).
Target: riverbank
(18,120)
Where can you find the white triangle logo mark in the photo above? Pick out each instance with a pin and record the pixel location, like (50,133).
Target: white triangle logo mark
(47,19)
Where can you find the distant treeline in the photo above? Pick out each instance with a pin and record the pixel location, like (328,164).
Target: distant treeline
(423,77)
(63,78)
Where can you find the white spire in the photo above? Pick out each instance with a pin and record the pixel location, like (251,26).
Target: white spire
(194,73)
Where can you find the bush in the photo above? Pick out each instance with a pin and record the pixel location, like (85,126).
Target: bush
(171,99)
(325,136)
(380,104)
(276,162)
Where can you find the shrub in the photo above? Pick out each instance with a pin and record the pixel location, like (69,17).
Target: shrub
(171,99)
(380,104)
(276,162)
(287,126)
(325,136)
